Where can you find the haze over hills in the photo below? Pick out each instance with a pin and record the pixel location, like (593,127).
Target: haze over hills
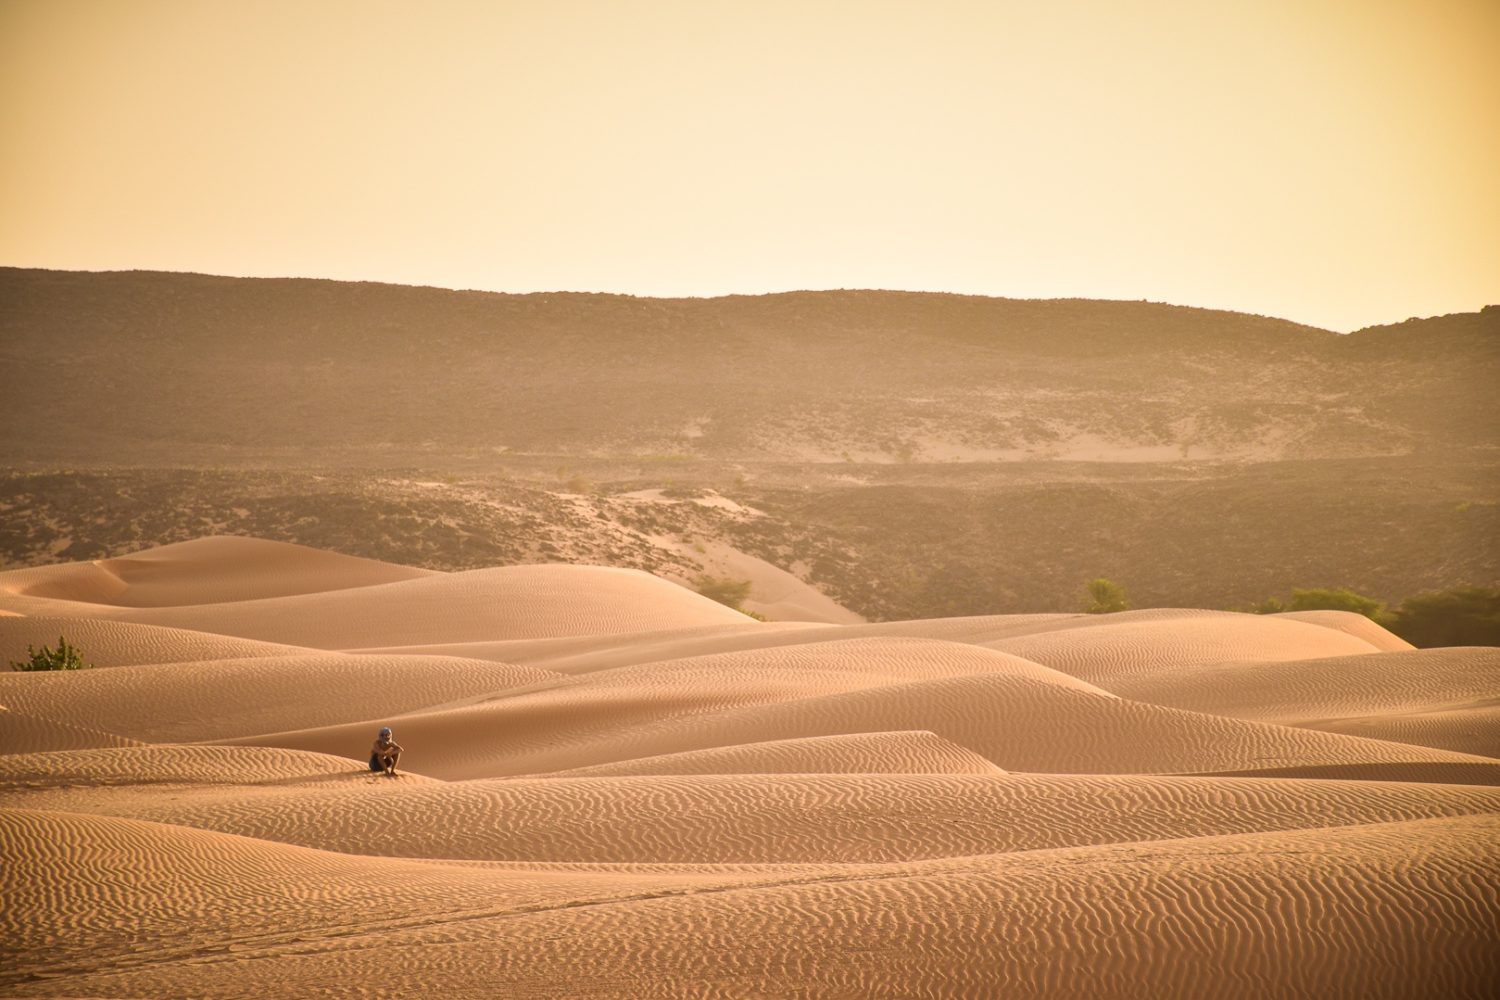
(906,454)
(208,369)
(905,780)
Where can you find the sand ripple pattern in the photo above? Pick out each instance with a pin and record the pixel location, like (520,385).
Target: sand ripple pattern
(616,788)
(1446,698)
(865,753)
(181,702)
(1392,910)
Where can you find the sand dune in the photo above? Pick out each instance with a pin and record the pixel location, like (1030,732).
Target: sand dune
(1389,910)
(913,752)
(759,818)
(1019,723)
(120,644)
(1356,625)
(513,602)
(1110,647)
(613,787)
(204,571)
(1430,697)
(178,702)
(22,732)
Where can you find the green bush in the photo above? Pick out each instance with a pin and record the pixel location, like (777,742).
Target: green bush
(1458,616)
(727,592)
(1335,599)
(65,657)
(1105,596)
(1325,599)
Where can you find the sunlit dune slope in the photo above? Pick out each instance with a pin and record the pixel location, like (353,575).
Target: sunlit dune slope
(1446,697)
(118,768)
(613,787)
(117,644)
(862,753)
(1020,723)
(1102,649)
(1102,646)
(22,732)
(1355,625)
(507,603)
(760,818)
(1389,910)
(210,570)
(180,702)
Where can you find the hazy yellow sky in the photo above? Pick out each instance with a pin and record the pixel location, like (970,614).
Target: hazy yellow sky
(1335,162)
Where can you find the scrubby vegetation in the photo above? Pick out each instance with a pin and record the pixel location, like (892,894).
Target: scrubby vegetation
(1458,616)
(1325,599)
(1105,596)
(64,657)
(728,592)
(900,542)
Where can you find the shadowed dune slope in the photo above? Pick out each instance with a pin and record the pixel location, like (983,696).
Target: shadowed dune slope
(512,602)
(85,893)
(184,702)
(126,767)
(863,753)
(1389,910)
(588,653)
(763,818)
(1109,645)
(211,570)
(585,654)
(22,732)
(614,787)
(1019,723)
(1448,698)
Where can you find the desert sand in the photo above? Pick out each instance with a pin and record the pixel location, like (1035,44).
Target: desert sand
(614,787)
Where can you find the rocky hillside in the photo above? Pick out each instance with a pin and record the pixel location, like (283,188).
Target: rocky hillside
(946,544)
(164,369)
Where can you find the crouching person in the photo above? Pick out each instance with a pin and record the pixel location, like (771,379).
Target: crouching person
(385,753)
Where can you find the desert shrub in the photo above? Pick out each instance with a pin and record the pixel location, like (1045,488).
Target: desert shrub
(1105,596)
(724,590)
(1458,616)
(1335,599)
(65,657)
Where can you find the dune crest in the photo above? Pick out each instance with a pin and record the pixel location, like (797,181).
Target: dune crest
(614,787)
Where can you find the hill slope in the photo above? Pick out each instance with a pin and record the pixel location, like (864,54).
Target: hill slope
(218,369)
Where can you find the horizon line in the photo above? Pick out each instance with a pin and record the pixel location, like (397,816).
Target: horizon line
(727,295)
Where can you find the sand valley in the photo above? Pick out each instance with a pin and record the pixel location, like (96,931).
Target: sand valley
(615,787)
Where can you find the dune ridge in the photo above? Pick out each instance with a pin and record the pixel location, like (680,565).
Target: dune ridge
(613,787)
(1162,917)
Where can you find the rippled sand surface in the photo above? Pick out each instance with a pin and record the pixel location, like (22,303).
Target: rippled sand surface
(613,787)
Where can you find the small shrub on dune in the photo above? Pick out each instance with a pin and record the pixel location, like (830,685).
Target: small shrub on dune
(1326,599)
(727,592)
(65,657)
(1105,596)
(1335,599)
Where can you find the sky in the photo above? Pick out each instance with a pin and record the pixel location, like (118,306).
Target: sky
(1334,162)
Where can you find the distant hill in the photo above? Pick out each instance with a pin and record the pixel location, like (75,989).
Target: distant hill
(160,369)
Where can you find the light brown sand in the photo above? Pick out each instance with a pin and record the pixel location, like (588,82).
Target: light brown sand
(614,788)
